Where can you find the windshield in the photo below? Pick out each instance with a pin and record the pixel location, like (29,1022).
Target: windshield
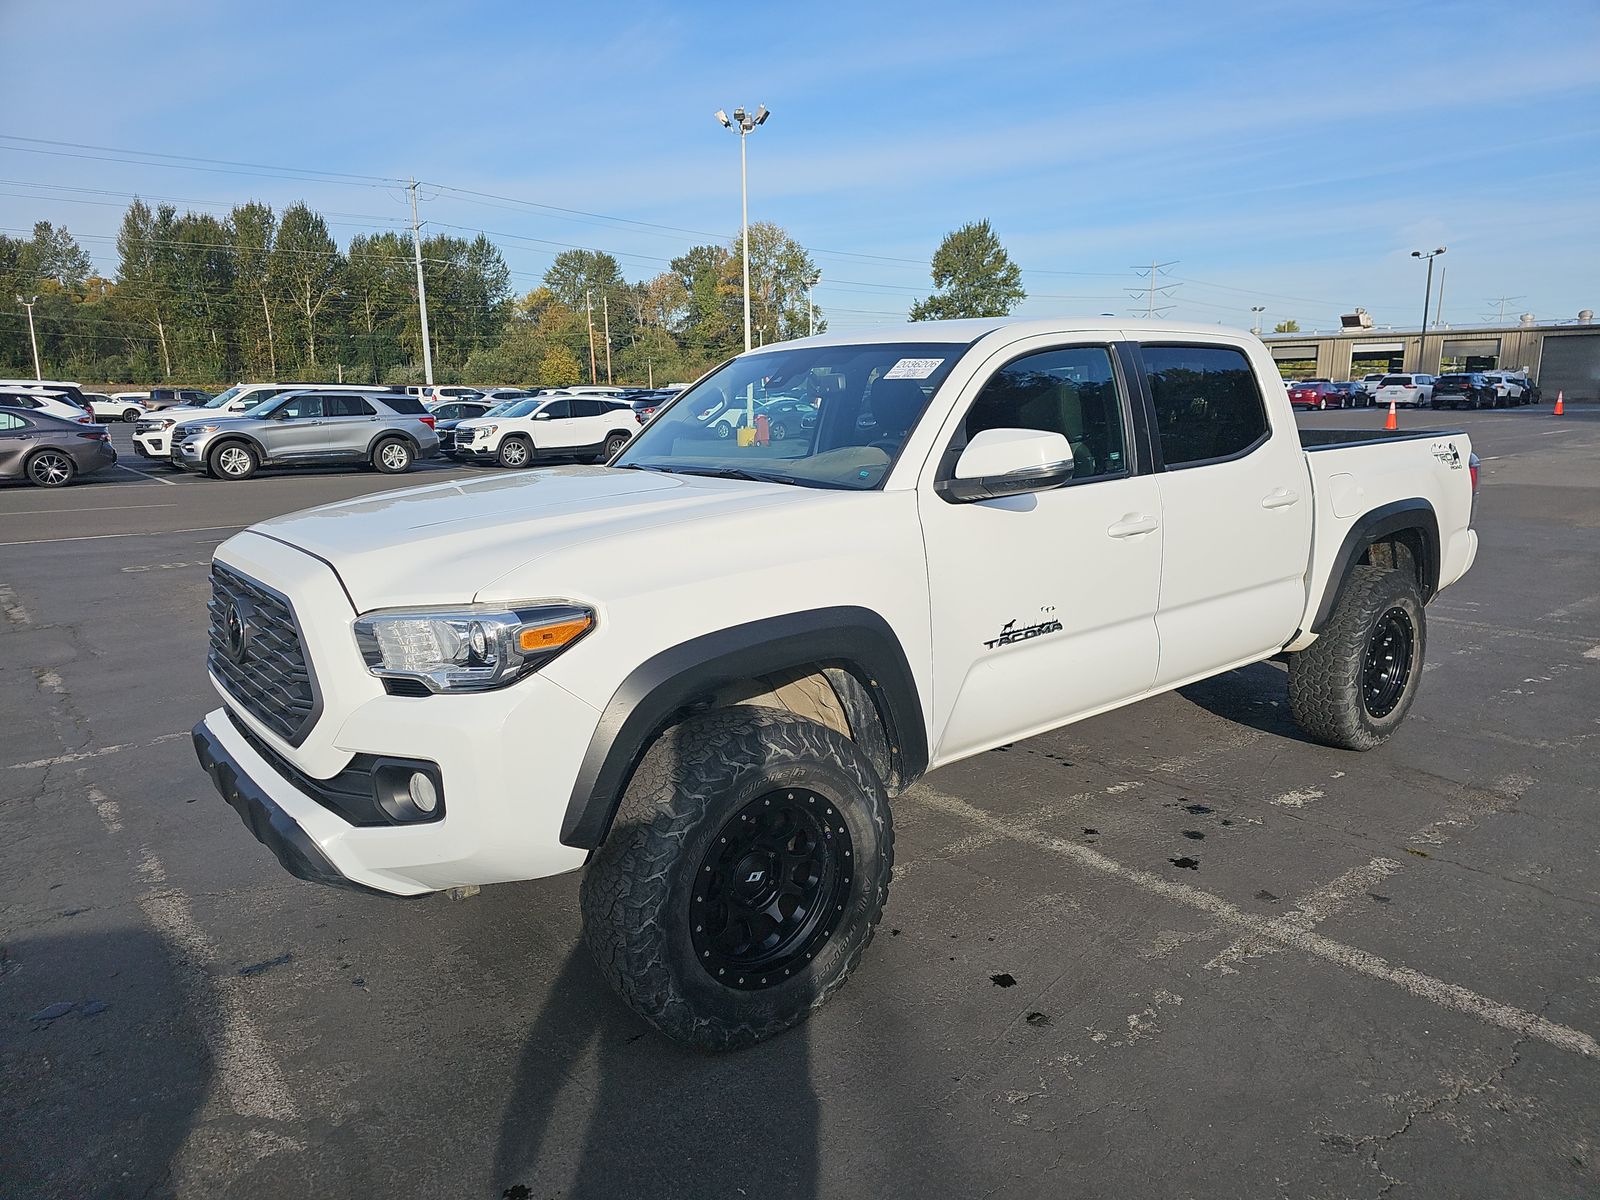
(518,408)
(866,401)
(219,401)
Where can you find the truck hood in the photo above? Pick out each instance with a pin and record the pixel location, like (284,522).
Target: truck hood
(448,542)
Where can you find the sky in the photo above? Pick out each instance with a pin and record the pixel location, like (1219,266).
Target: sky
(1284,155)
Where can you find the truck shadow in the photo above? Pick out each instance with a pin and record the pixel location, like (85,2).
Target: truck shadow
(104,1076)
(603,1101)
(1256,696)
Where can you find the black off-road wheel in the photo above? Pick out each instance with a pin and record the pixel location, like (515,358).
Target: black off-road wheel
(743,878)
(1353,686)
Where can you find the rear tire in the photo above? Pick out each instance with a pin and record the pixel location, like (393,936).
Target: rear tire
(1353,686)
(51,469)
(614,445)
(720,810)
(393,456)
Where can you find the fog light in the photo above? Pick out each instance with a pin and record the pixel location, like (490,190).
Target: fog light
(423,794)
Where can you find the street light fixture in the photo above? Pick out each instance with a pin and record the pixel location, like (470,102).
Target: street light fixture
(744,124)
(32,337)
(1427,295)
(1255,319)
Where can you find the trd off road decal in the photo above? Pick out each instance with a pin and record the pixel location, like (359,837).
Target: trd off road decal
(1009,632)
(1447,453)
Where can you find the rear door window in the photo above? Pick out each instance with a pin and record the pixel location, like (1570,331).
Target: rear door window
(347,406)
(1208,404)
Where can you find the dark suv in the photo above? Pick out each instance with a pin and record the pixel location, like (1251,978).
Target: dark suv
(161,398)
(1467,390)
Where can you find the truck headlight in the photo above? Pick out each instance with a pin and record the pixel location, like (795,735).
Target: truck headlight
(483,431)
(470,649)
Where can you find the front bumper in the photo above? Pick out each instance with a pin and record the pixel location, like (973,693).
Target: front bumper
(274,828)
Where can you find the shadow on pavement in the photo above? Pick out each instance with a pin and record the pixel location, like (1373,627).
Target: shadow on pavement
(601,1099)
(1256,696)
(103,1073)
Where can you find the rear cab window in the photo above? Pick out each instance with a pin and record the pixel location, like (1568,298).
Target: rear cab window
(1207,402)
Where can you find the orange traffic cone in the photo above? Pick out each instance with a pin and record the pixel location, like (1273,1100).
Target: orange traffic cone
(1391,423)
(1559,397)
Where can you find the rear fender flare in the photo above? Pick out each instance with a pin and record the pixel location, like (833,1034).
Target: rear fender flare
(1414,514)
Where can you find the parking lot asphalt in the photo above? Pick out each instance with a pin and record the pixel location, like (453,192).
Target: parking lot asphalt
(1175,950)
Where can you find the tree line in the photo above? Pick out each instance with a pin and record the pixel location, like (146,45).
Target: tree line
(198,299)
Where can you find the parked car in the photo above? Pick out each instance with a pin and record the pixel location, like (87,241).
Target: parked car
(50,403)
(625,670)
(1469,389)
(787,417)
(544,427)
(63,389)
(108,408)
(163,398)
(490,397)
(439,393)
(50,451)
(1347,394)
(646,403)
(1533,393)
(1316,393)
(387,430)
(448,416)
(1406,391)
(152,434)
(1509,390)
(1371,383)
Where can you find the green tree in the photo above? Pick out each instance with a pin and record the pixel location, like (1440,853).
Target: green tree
(56,255)
(711,324)
(559,368)
(379,285)
(973,276)
(253,229)
(576,274)
(1289,326)
(144,278)
(780,270)
(308,269)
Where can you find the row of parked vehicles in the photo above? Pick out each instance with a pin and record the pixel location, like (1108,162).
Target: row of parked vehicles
(1465,389)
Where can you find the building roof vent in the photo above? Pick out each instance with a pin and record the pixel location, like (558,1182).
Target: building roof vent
(1526,319)
(1586,316)
(1360,319)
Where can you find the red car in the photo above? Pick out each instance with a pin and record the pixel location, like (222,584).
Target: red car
(1319,393)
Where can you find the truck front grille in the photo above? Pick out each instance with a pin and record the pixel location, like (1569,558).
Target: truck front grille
(256,653)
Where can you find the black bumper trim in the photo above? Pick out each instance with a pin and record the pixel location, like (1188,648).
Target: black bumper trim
(273,828)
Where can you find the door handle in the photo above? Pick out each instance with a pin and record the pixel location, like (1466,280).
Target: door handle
(1280,498)
(1133,525)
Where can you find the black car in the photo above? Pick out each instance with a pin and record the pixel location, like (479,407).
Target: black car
(645,401)
(788,417)
(452,413)
(1349,395)
(1466,390)
(50,451)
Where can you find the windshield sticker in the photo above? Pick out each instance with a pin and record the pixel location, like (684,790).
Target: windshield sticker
(914,368)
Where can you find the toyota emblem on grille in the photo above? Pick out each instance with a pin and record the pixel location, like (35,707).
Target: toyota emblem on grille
(237,628)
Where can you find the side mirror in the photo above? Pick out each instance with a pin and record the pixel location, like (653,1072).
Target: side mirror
(1008,462)
(543,416)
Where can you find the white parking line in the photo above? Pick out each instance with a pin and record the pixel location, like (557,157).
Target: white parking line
(36,512)
(16,612)
(146,475)
(80,755)
(1425,987)
(99,537)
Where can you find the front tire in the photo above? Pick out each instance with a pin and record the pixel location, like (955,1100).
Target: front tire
(515,452)
(743,878)
(132,415)
(1353,686)
(233,461)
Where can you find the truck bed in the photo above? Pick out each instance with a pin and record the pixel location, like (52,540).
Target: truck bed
(1337,439)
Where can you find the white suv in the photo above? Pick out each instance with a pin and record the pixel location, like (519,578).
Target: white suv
(1509,390)
(1406,391)
(589,427)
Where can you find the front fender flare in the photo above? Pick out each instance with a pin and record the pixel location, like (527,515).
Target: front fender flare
(855,639)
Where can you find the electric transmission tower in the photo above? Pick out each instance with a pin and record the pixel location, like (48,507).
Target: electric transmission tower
(1153,287)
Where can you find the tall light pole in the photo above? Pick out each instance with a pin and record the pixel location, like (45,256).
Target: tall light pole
(744,124)
(422,291)
(811,306)
(1255,318)
(32,337)
(1427,295)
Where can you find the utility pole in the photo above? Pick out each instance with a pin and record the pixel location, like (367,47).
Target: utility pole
(588,312)
(811,309)
(1502,301)
(422,289)
(1438,309)
(32,337)
(1149,293)
(605,309)
(650,377)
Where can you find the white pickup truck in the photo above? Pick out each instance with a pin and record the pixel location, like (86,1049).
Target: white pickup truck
(702,670)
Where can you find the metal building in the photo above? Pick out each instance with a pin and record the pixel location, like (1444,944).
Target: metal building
(1564,358)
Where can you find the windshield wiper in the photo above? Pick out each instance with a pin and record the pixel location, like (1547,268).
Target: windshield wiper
(733,473)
